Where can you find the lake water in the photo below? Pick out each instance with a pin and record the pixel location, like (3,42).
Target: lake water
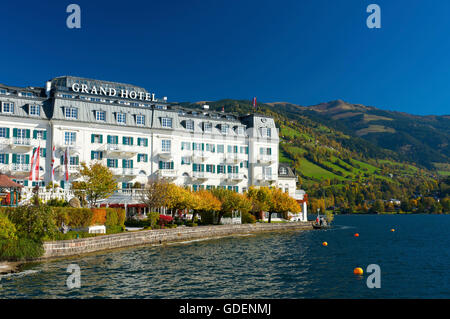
(414,262)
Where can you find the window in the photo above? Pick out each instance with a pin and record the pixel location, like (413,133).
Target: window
(240,130)
(267,171)
(265,151)
(71,113)
(100,116)
(35,110)
(142,141)
(140,119)
(96,155)
(207,127)
(142,158)
(165,145)
(66,96)
(224,129)
(70,138)
(4,158)
(121,118)
(3,91)
(186,160)
(210,168)
(110,162)
(220,148)
(74,160)
(190,125)
(8,107)
(210,148)
(126,140)
(27,94)
(4,132)
(197,146)
(266,132)
(39,135)
(185,146)
(113,139)
(283,171)
(96,138)
(166,122)
(220,169)
(165,165)
(127,163)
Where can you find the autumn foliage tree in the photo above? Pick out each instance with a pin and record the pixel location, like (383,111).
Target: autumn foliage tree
(205,202)
(156,194)
(282,203)
(96,182)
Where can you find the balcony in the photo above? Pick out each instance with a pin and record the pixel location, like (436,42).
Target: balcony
(235,177)
(200,175)
(124,172)
(265,178)
(21,143)
(119,150)
(234,158)
(200,156)
(73,148)
(164,154)
(265,159)
(15,167)
(168,173)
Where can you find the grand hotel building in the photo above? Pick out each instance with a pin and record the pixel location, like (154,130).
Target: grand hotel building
(137,136)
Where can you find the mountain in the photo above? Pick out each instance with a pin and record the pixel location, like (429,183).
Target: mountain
(421,139)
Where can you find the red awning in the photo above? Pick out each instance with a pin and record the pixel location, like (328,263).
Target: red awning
(7,182)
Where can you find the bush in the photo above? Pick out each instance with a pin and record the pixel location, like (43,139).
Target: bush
(34,222)
(54,202)
(248,218)
(153,219)
(191,224)
(73,217)
(207,218)
(115,217)
(165,219)
(20,249)
(7,228)
(98,216)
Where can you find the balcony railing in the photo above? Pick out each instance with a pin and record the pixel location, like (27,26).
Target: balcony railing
(20,167)
(201,175)
(168,173)
(265,159)
(266,178)
(235,176)
(21,141)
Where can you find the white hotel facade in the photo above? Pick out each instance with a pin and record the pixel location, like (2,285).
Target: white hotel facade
(138,136)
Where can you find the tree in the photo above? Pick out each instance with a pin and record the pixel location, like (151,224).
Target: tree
(7,229)
(260,199)
(156,194)
(205,202)
(282,203)
(97,182)
(180,198)
(230,202)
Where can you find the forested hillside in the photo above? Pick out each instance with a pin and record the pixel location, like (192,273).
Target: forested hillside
(344,170)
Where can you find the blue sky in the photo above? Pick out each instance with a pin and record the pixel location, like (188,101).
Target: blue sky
(303,52)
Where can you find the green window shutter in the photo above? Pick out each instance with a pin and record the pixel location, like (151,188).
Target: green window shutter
(92,138)
(139,158)
(116,163)
(203,146)
(145,142)
(62,184)
(116,139)
(124,185)
(101,155)
(202,167)
(101,138)
(92,155)
(193,146)
(139,141)
(131,163)
(237,169)
(145,158)
(7,132)
(160,165)
(6,158)
(108,139)
(27,133)
(214,168)
(246,150)
(25,182)
(124,140)
(45,135)
(34,134)
(241,165)
(44,152)
(229,169)
(77,160)
(123,163)
(218,168)
(131,141)
(171,165)
(34,150)
(182,145)
(27,159)
(14,132)
(269,151)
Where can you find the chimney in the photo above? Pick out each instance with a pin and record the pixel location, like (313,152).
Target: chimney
(48,87)
(206,107)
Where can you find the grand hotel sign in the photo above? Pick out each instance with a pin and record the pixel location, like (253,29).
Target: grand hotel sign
(83,88)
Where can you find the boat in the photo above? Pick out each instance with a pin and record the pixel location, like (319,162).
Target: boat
(320,225)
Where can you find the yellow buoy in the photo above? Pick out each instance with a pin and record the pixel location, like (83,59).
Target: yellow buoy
(356,235)
(325,243)
(358,271)
(392,230)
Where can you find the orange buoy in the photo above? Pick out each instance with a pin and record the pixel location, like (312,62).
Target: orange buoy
(325,243)
(356,235)
(358,271)
(392,230)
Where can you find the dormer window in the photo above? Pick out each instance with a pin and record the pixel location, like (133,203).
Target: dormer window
(35,110)
(240,130)
(266,132)
(207,127)
(121,118)
(224,129)
(283,171)
(71,113)
(166,122)
(140,119)
(8,107)
(190,125)
(100,116)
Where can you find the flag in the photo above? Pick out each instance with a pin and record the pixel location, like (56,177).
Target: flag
(66,164)
(53,164)
(34,172)
(254,102)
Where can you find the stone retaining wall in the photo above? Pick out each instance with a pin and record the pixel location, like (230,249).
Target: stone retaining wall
(65,248)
